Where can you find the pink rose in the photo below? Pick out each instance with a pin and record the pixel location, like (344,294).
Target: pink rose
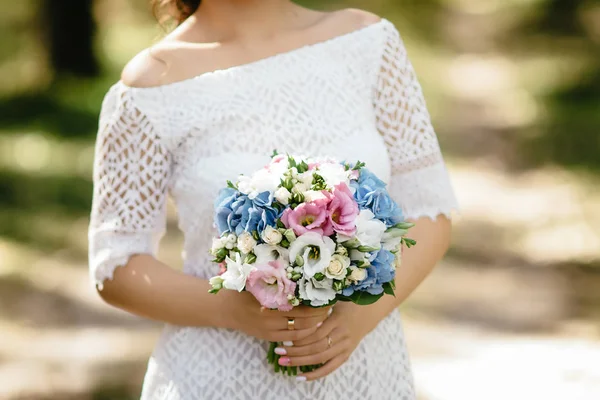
(270,285)
(342,210)
(308,217)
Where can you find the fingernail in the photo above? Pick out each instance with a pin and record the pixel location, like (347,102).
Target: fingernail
(280,351)
(284,361)
(319,324)
(288,344)
(300,379)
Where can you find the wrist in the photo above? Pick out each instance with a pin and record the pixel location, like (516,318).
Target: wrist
(225,309)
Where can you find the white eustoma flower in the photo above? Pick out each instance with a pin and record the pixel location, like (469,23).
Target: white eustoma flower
(369,230)
(237,273)
(246,243)
(266,253)
(271,236)
(391,240)
(338,266)
(334,174)
(319,293)
(283,196)
(357,275)
(315,250)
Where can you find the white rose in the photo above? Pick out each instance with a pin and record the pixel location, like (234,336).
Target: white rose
(357,275)
(246,243)
(338,266)
(369,230)
(237,273)
(334,174)
(283,196)
(315,250)
(266,253)
(312,195)
(319,293)
(271,235)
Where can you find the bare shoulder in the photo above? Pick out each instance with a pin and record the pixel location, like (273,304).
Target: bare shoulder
(352,19)
(147,68)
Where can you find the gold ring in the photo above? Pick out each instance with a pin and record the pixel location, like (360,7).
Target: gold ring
(291,323)
(329,342)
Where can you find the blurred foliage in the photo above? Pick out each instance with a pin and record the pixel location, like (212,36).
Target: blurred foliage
(61,112)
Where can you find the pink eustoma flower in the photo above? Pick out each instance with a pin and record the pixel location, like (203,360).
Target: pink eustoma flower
(270,285)
(308,217)
(342,210)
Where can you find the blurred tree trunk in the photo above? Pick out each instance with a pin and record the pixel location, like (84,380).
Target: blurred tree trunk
(70,36)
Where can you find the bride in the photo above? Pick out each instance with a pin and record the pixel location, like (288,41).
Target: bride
(235,80)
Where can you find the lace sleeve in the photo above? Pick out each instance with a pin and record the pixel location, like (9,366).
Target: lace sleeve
(419,181)
(131,174)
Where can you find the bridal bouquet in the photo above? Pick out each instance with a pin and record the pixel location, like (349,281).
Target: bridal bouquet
(308,231)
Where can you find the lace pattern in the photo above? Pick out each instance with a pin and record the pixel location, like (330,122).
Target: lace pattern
(131,174)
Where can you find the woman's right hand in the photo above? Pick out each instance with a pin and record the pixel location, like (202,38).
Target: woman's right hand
(244,313)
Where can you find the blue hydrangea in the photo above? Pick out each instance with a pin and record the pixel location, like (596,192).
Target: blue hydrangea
(371,193)
(236,212)
(381,271)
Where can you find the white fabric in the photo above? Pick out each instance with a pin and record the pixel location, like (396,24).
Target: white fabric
(353,97)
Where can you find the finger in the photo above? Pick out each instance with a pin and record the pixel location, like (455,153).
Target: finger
(300,323)
(326,329)
(290,336)
(317,347)
(325,370)
(319,358)
(298,312)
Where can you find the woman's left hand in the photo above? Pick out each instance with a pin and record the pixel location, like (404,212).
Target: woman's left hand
(332,344)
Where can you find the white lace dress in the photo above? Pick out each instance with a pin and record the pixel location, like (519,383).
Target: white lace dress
(351,97)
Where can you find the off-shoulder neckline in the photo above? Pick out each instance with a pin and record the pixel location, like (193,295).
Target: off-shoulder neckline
(254,63)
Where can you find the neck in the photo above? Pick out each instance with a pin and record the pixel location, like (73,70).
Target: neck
(243,17)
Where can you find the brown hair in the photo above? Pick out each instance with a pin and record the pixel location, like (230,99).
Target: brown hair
(178,9)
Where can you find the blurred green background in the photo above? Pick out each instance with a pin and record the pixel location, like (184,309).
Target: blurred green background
(514,89)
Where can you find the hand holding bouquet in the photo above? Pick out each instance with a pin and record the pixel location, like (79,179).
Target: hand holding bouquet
(308,231)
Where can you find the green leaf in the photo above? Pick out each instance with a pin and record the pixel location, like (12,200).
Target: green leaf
(255,235)
(319,276)
(302,167)
(291,162)
(275,153)
(388,289)
(364,298)
(358,166)
(280,224)
(231,185)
